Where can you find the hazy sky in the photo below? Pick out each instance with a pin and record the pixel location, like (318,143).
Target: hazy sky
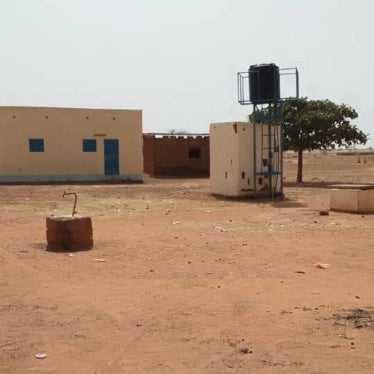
(177,60)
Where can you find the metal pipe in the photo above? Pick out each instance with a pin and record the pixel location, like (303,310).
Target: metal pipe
(297,84)
(270,155)
(75,200)
(254,154)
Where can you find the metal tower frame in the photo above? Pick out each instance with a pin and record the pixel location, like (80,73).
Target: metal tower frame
(271,115)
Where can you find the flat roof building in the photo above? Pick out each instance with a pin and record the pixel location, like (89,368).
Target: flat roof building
(69,144)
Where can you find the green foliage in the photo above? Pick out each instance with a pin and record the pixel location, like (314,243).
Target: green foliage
(319,124)
(314,124)
(177,132)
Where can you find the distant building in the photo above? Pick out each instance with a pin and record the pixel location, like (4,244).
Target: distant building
(66,144)
(176,154)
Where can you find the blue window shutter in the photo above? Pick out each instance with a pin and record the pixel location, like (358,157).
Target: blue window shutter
(89,145)
(36,145)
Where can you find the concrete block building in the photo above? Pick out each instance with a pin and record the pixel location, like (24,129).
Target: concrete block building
(66,144)
(239,159)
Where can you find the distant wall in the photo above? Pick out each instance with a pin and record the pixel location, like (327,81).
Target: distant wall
(176,155)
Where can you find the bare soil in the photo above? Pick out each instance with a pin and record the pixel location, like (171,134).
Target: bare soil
(180,281)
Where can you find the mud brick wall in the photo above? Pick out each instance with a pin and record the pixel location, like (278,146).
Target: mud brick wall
(176,155)
(69,233)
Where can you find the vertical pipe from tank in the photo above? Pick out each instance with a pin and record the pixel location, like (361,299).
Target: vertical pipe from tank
(270,156)
(297,84)
(254,151)
(280,150)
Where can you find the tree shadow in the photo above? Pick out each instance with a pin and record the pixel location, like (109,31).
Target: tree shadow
(319,184)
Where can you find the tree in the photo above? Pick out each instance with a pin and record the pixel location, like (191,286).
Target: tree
(317,124)
(181,132)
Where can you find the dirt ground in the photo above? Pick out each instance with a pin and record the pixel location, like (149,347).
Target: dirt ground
(180,281)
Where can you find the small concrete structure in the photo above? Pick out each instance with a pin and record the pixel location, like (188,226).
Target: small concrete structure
(239,159)
(358,198)
(68,233)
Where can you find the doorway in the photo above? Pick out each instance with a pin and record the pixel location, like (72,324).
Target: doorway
(111,157)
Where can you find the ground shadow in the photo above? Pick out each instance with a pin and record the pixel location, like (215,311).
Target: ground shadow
(276,202)
(320,184)
(287,203)
(184,176)
(71,183)
(59,249)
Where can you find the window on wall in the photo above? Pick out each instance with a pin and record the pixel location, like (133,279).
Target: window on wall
(36,145)
(194,152)
(89,145)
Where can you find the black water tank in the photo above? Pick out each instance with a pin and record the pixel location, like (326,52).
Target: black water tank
(264,83)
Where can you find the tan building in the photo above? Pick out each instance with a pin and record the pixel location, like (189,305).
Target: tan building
(65,144)
(176,154)
(245,159)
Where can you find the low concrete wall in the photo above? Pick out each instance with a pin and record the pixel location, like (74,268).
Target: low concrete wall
(358,199)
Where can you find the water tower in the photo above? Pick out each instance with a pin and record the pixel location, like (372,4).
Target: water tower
(260,87)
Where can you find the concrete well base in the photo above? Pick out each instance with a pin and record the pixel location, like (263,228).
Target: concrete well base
(67,233)
(352,198)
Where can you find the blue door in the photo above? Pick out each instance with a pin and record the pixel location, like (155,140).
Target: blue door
(111,160)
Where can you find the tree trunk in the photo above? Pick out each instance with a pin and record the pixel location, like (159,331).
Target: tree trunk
(299,178)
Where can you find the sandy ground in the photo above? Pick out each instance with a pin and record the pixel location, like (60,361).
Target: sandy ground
(182,282)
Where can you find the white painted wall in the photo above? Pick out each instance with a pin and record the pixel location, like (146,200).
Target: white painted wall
(232,159)
(352,200)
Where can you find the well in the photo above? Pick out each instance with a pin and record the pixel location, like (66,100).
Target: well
(69,233)
(357,198)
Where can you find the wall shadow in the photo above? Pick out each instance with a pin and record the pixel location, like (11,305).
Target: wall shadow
(181,176)
(276,202)
(70,183)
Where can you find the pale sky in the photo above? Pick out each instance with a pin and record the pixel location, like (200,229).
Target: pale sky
(177,60)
